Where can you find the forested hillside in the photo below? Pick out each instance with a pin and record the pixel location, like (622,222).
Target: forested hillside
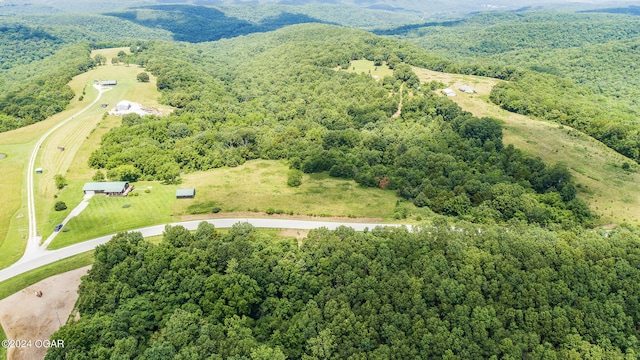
(383,294)
(40,55)
(279,96)
(35,91)
(582,66)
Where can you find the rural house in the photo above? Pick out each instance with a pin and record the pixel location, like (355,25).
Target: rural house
(109,188)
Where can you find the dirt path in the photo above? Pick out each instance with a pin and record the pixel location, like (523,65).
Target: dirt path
(25,316)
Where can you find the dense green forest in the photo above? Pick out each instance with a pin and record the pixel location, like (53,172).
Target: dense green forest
(38,90)
(42,53)
(462,293)
(278,96)
(201,23)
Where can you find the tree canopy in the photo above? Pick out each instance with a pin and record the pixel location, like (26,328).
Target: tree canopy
(279,96)
(439,292)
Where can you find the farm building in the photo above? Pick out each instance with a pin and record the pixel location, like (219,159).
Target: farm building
(467,89)
(123,106)
(108,83)
(112,188)
(185,193)
(449,92)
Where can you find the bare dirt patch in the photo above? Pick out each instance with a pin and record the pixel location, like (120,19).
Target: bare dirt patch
(294,233)
(25,316)
(247,214)
(128,107)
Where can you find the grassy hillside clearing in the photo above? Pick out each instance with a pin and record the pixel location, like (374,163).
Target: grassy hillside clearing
(364,66)
(611,192)
(18,145)
(255,188)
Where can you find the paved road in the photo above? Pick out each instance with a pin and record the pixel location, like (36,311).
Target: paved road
(44,257)
(33,243)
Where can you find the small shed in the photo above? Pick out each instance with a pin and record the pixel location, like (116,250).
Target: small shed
(185,193)
(467,89)
(38,170)
(449,92)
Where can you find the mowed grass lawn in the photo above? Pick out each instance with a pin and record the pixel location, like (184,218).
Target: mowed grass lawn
(610,191)
(107,215)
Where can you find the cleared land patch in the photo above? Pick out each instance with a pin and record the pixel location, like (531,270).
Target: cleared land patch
(364,66)
(611,191)
(24,315)
(261,185)
(254,188)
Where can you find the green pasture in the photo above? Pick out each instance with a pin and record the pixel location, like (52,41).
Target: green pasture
(257,187)
(260,185)
(368,67)
(611,192)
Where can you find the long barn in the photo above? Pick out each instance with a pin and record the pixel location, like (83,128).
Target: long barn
(109,188)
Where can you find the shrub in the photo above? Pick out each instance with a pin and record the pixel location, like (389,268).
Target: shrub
(147,191)
(99,176)
(294,178)
(60,205)
(270,211)
(127,205)
(216,210)
(61,182)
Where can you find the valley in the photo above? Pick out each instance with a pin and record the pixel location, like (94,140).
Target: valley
(307,184)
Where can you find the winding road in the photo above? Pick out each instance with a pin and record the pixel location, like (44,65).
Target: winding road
(33,247)
(37,255)
(45,257)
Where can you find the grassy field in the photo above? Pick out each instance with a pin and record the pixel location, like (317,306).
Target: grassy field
(107,215)
(611,192)
(256,186)
(18,145)
(368,67)
(261,184)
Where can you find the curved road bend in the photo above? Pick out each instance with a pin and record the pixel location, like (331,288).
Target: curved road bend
(33,242)
(45,257)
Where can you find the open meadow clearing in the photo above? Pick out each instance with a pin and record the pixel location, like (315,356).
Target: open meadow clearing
(610,191)
(261,185)
(364,66)
(254,189)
